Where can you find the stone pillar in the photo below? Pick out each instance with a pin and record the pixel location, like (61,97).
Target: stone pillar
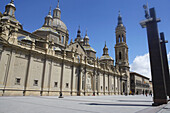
(121,89)
(114,85)
(49,75)
(157,70)
(165,63)
(8,70)
(118,84)
(104,83)
(72,78)
(62,74)
(109,84)
(79,81)
(84,77)
(94,82)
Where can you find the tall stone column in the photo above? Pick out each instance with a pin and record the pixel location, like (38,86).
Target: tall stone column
(109,84)
(118,86)
(104,83)
(121,89)
(165,63)
(114,85)
(157,69)
(94,82)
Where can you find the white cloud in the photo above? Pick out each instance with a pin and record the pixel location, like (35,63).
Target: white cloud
(169,60)
(141,65)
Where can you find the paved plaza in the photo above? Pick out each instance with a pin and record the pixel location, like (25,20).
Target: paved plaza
(81,104)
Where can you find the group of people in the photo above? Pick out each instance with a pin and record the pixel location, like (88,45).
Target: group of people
(146,93)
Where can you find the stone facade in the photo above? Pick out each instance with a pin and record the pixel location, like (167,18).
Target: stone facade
(139,84)
(42,63)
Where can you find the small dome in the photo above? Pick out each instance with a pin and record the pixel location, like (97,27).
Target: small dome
(49,16)
(86,37)
(81,40)
(58,23)
(106,57)
(11,4)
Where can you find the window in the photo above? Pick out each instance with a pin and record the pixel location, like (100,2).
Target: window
(120,56)
(11,11)
(17,81)
(106,88)
(122,38)
(35,82)
(77,46)
(62,40)
(119,39)
(55,84)
(67,84)
(101,87)
(78,57)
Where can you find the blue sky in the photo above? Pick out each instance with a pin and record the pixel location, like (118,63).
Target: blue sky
(99,17)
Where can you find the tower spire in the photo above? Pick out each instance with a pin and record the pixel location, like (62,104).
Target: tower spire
(58,4)
(105,50)
(120,19)
(86,33)
(12,1)
(49,13)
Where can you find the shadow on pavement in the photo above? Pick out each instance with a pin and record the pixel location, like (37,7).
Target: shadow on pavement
(134,101)
(98,104)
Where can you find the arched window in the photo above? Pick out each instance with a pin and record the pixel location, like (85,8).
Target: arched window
(120,55)
(11,12)
(119,38)
(78,59)
(122,38)
(47,22)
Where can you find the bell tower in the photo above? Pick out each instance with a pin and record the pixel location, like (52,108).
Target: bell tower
(121,53)
(121,48)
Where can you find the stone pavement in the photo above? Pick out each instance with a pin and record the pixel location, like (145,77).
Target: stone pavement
(81,104)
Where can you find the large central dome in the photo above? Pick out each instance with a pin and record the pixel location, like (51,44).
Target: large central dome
(59,24)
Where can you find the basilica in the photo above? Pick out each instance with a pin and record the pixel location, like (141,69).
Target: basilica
(44,63)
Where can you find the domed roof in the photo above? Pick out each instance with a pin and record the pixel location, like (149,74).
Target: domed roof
(81,40)
(11,3)
(86,37)
(106,57)
(58,23)
(47,29)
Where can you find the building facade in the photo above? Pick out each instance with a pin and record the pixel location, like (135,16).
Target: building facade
(43,63)
(139,84)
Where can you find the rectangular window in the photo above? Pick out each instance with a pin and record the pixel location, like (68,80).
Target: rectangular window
(17,81)
(67,84)
(35,82)
(62,40)
(55,84)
